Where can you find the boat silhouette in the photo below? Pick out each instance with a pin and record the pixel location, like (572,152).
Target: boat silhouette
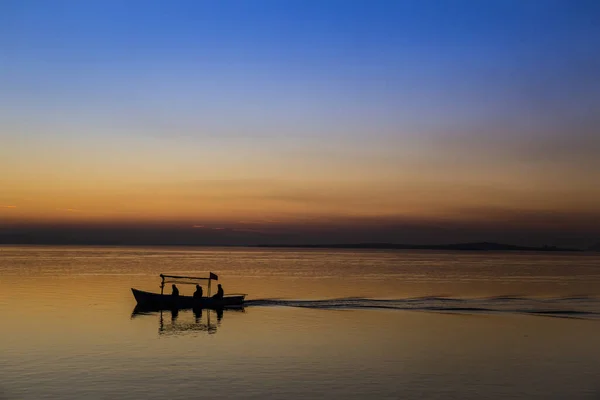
(148,301)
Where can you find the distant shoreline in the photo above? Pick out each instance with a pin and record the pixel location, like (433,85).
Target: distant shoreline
(471,246)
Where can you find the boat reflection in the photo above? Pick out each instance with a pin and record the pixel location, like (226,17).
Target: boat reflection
(173,322)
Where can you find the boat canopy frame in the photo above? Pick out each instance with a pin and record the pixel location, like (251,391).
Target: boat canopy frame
(177,279)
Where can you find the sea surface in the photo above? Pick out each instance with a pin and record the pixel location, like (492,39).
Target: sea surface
(336,324)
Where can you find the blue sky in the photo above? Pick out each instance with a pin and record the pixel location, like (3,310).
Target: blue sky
(395,62)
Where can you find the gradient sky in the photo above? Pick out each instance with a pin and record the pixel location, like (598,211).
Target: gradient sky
(312,121)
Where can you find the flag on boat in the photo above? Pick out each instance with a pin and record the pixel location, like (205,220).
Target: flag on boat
(213,276)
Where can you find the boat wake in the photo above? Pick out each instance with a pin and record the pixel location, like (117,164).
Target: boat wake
(587,307)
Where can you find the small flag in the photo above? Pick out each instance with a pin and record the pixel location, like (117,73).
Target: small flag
(213,276)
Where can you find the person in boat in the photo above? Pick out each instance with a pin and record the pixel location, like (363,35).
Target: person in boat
(175,290)
(198,292)
(219,294)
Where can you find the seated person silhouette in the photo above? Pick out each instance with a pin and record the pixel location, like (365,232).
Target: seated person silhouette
(198,292)
(175,291)
(219,294)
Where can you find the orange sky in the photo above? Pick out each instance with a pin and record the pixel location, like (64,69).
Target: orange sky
(164,180)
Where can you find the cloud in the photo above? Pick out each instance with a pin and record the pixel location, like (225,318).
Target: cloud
(208,227)
(8,206)
(234,228)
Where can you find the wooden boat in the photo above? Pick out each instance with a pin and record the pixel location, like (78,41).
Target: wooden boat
(160,301)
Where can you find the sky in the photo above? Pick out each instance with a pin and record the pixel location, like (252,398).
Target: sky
(244,122)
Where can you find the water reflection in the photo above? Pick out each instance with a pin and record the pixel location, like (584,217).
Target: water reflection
(172,322)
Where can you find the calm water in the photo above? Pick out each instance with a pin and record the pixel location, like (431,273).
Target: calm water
(319,324)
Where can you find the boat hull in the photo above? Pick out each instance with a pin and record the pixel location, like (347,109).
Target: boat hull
(155,301)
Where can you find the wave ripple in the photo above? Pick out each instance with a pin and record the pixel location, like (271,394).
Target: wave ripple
(575,307)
